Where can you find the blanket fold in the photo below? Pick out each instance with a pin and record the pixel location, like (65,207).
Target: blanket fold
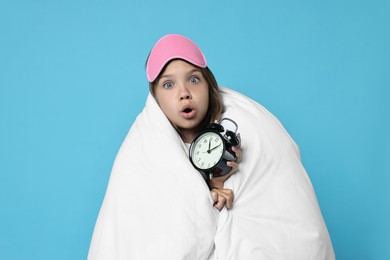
(157,206)
(275,214)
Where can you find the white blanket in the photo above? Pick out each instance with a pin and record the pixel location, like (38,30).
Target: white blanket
(157,206)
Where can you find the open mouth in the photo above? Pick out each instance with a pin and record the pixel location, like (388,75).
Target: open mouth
(188,112)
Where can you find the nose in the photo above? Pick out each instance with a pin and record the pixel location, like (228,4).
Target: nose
(184,93)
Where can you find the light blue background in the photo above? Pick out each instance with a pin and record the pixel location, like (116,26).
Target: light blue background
(72,82)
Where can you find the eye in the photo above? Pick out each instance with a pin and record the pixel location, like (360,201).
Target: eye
(168,84)
(194,79)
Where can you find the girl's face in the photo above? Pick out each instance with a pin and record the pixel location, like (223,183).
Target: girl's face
(183,95)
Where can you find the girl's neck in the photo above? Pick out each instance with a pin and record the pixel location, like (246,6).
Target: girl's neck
(187,136)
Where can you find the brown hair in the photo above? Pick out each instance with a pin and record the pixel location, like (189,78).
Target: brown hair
(215,100)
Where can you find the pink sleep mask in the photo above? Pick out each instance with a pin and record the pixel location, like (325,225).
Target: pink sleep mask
(169,47)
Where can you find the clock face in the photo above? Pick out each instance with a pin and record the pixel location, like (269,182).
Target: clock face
(207,150)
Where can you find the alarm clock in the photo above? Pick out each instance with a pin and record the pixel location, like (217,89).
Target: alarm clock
(211,149)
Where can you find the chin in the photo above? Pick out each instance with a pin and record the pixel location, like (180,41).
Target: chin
(189,125)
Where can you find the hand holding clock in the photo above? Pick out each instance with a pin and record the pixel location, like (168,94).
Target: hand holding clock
(224,197)
(217,182)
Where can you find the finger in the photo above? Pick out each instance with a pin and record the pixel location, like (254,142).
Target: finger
(232,164)
(228,196)
(238,153)
(214,196)
(220,202)
(227,193)
(229,202)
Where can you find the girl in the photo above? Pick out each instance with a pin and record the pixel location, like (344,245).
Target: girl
(157,206)
(187,93)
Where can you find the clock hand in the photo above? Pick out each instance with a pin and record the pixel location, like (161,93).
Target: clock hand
(215,147)
(208,151)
